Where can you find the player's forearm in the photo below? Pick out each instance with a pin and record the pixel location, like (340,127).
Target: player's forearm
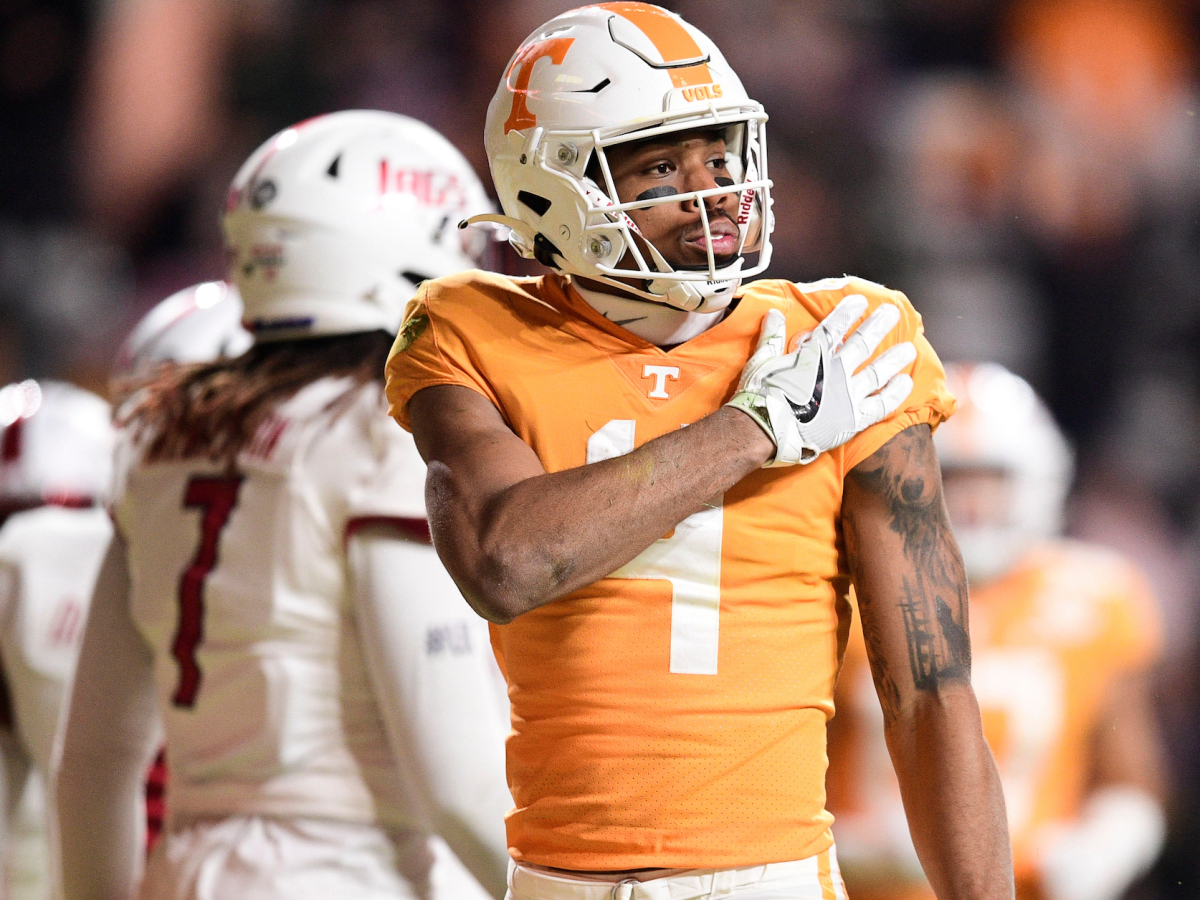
(551,534)
(952,794)
(912,594)
(99,825)
(109,738)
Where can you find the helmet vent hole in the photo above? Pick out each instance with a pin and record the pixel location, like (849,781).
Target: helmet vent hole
(536,202)
(596,89)
(544,251)
(332,171)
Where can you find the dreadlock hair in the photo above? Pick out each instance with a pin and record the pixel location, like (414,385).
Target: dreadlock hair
(211,410)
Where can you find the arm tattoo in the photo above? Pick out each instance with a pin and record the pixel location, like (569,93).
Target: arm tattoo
(926,578)
(934,654)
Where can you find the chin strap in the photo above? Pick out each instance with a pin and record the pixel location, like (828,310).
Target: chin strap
(698,296)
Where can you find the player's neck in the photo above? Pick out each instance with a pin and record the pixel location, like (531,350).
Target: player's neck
(656,323)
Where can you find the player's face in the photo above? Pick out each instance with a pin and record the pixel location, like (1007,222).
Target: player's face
(676,164)
(976,497)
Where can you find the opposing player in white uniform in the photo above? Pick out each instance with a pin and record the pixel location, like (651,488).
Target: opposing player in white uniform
(55,465)
(322,716)
(198,324)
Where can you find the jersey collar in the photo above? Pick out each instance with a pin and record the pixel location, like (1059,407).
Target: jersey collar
(655,323)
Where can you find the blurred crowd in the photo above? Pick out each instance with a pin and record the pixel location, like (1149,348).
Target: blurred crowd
(1027,172)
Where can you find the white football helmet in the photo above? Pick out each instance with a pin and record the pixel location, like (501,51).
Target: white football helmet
(1002,426)
(198,324)
(332,223)
(610,74)
(56,445)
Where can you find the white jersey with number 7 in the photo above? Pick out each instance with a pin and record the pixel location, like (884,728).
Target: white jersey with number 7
(292,680)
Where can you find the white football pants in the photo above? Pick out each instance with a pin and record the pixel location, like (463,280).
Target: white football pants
(815,878)
(263,858)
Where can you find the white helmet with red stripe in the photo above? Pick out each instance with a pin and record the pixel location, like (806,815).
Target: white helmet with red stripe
(610,74)
(332,223)
(56,445)
(198,324)
(1003,429)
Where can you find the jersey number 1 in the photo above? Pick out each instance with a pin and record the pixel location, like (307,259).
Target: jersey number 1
(689,558)
(216,496)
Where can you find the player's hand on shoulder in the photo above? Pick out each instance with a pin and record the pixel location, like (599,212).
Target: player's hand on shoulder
(814,398)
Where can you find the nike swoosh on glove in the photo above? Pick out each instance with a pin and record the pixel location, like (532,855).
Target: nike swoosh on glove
(814,399)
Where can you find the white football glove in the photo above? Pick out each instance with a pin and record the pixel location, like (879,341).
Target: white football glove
(810,400)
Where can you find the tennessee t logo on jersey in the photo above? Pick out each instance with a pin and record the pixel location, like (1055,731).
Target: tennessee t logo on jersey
(660,374)
(659,379)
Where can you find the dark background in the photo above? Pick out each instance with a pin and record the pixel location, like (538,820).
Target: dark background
(1028,173)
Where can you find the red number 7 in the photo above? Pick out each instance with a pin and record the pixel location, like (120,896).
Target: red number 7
(216,496)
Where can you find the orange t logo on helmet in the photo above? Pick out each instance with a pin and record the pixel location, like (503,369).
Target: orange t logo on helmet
(669,38)
(556,49)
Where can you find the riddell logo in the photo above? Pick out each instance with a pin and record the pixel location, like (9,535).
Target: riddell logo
(702,92)
(266,258)
(429,187)
(745,206)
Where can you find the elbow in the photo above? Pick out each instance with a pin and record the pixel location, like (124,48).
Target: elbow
(494,592)
(493,606)
(500,587)
(503,567)
(501,572)
(482,577)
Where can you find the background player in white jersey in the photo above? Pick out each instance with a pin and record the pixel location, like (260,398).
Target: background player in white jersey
(198,324)
(55,465)
(264,506)
(1064,634)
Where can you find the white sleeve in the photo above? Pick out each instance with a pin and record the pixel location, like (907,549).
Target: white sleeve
(110,736)
(392,486)
(1115,838)
(429,660)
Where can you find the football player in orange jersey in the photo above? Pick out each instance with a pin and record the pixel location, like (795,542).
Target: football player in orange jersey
(669,603)
(1064,633)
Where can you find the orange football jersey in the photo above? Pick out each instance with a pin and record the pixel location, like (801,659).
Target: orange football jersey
(672,714)
(1048,641)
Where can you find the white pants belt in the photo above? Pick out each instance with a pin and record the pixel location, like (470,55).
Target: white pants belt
(702,883)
